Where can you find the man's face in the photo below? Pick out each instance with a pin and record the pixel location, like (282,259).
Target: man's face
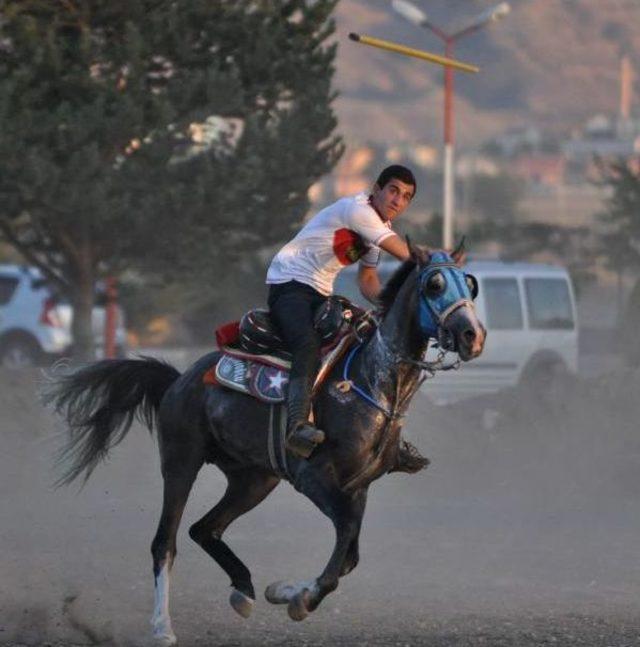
(393,199)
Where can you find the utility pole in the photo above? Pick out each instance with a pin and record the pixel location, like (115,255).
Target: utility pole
(416,16)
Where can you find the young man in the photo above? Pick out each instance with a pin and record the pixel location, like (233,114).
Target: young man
(301,278)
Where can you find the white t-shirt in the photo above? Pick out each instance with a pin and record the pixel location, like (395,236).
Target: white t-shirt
(344,232)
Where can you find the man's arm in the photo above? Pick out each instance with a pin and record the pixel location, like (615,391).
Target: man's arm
(368,280)
(369,283)
(396,247)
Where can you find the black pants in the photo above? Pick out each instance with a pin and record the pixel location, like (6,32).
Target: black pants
(292,306)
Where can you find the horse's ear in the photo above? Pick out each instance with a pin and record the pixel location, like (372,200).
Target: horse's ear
(459,254)
(420,255)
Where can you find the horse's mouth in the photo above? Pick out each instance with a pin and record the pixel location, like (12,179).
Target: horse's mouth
(469,349)
(467,353)
(466,349)
(464,336)
(447,341)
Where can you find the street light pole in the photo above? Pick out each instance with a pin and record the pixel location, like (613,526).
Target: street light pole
(417,17)
(449,168)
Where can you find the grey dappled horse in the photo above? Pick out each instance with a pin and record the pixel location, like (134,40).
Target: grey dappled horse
(428,296)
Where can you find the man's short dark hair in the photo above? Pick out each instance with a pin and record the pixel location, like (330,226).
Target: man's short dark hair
(398,172)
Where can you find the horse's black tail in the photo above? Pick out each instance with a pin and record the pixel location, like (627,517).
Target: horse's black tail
(99,403)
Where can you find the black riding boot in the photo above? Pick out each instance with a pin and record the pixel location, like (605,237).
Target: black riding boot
(302,436)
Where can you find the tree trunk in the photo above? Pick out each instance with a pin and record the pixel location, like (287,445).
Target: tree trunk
(81,328)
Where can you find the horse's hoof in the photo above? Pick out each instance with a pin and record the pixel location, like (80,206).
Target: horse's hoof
(299,606)
(164,639)
(280,592)
(242,604)
(163,635)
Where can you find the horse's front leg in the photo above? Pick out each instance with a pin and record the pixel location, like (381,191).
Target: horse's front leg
(346,512)
(353,552)
(347,519)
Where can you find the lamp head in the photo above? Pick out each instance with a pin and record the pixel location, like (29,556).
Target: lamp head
(493,13)
(410,12)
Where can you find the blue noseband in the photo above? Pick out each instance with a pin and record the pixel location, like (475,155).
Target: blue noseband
(434,306)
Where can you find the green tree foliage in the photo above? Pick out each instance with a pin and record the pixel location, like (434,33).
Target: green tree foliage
(98,100)
(620,241)
(629,324)
(619,245)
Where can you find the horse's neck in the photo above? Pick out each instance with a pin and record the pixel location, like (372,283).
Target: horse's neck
(398,336)
(399,331)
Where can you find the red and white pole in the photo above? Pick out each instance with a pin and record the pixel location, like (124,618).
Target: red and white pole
(449,135)
(111,318)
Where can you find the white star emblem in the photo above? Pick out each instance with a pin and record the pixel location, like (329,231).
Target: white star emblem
(277,381)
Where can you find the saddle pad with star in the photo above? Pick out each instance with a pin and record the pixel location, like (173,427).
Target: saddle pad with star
(264,382)
(263,379)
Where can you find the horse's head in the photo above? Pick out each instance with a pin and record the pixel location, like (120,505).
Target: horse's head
(445,302)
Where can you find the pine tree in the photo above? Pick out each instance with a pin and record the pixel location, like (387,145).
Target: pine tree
(98,102)
(620,241)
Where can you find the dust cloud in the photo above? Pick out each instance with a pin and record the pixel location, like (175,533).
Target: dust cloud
(523,531)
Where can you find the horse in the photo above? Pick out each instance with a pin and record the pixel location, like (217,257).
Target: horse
(428,296)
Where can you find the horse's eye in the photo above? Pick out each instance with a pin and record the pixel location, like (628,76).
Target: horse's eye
(472,284)
(435,284)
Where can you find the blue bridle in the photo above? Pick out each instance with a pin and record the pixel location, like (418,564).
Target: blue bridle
(434,307)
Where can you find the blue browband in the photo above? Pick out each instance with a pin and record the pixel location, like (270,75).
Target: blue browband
(433,310)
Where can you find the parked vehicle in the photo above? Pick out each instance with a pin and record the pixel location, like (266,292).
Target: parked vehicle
(530,314)
(35,323)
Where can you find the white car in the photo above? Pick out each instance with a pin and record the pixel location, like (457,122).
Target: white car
(35,325)
(530,314)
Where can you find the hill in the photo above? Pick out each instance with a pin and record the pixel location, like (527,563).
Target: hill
(550,63)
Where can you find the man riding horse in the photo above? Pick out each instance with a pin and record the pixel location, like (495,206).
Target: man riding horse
(360,405)
(302,274)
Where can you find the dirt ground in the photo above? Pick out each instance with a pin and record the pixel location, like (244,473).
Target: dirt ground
(524,531)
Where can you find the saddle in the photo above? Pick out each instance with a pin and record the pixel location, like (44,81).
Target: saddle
(255,361)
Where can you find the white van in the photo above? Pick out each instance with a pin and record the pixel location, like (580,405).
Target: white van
(35,323)
(530,315)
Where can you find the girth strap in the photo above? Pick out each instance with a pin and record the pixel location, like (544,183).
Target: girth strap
(276,440)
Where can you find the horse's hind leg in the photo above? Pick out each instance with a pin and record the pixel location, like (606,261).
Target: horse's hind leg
(180,466)
(245,490)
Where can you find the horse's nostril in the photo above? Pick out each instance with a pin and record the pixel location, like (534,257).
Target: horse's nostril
(469,335)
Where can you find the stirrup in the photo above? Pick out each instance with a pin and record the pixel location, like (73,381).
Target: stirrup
(304,439)
(409,459)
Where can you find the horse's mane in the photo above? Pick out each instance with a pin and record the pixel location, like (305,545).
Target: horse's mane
(392,286)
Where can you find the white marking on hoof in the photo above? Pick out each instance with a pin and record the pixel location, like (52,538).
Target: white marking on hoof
(162,631)
(160,620)
(284,591)
(165,639)
(242,604)
(298,607)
